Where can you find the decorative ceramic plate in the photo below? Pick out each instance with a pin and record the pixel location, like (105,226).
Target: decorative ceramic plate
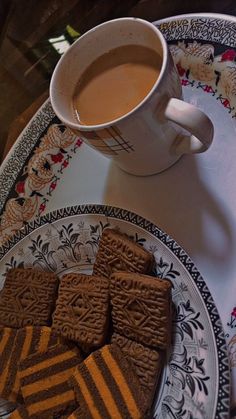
(204,50)
(195,380)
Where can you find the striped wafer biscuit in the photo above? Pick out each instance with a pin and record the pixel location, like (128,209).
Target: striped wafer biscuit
(141,308)
(44,382)
(77,414)
(19,413)
(28,298)
(117,252)
(16,345)
(147,362)
(106,387)
(82,309)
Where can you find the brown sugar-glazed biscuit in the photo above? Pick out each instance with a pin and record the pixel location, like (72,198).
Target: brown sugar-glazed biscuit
(117,252)
(147,362)
(27,298)
(141,308)
(106,387)
(16,345)
(82,309)
(44,382)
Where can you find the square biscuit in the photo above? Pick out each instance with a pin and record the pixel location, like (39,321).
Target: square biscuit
(105,386)
(147,362)
(141,308)
(16,345)
(82,309)
(28,298)
(117,252)
(44,382)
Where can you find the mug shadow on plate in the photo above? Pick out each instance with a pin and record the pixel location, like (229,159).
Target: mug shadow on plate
(178,202)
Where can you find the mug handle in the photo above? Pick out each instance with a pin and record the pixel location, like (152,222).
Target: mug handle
(193,120)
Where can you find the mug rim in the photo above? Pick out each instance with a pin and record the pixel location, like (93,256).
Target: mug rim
(80,127)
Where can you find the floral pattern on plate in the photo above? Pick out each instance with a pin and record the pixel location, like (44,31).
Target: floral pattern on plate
(199,66)
(38,178)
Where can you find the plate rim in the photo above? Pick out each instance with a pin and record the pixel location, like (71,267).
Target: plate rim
(222,402)
(206,15)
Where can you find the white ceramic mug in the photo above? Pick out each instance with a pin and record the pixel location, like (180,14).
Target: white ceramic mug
(153,135)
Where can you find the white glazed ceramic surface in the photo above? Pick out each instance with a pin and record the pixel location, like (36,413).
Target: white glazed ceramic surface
(144,141)
(195,380)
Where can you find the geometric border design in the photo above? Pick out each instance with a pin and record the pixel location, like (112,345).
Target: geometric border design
(223,400)
(212,27)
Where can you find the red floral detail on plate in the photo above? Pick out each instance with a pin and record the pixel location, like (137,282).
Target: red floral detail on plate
(208,89)
(53,185)
(184,82)
(233,313)
(232,322)
(79,142)
(226,103)
(20,187)
(65,163)
(229,55)
(57,158)
(42,207)
(180,69)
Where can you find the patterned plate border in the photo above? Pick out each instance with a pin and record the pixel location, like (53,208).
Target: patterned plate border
(19,153)
(223,400)
(212,27)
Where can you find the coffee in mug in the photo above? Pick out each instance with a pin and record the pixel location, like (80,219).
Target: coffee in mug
(118,89)
(115,83)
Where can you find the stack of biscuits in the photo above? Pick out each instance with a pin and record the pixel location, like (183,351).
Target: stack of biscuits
(91,346)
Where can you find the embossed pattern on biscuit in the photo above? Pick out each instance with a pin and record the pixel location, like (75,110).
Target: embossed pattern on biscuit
(82,309)
(27,298)
(141,308)
(147,362)
(118,253)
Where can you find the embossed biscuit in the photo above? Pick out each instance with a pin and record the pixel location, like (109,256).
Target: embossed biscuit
(82,309)
(118,253)
(147,362)
(141,308)
(28,298)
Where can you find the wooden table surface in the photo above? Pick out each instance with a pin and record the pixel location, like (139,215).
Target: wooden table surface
(29,34)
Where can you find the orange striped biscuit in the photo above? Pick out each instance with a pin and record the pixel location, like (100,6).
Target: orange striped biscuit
(16,345)
(44,385)
(77,414)
(106,387)
(19,413)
